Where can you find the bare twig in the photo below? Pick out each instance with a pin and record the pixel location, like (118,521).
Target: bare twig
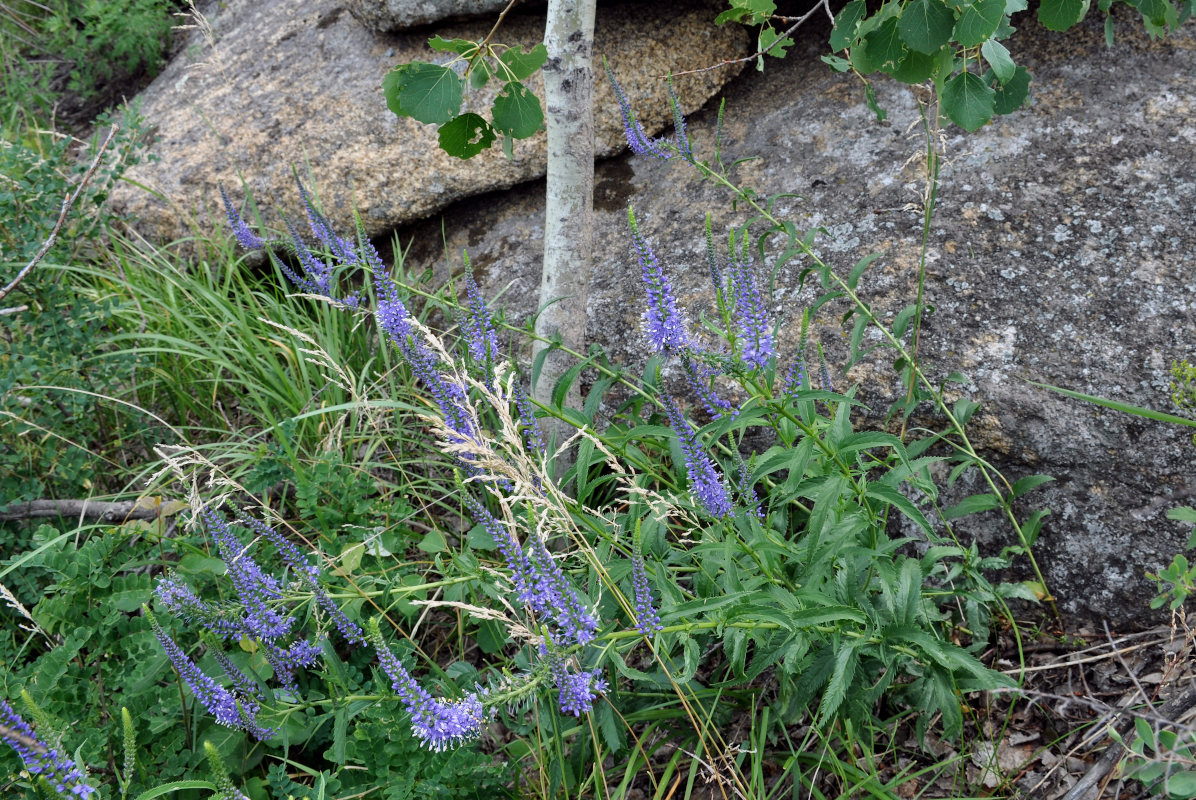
(824,5)
(67,202)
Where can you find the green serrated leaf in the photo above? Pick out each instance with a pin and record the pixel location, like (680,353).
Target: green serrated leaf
(1013,94)
(846,661)
(978,20)
(914,68)
(968,101)
(1059,15)
(1029,483)
(461,46)
(773,44)
(972,505)
(997,56)
(425,92)
(836,63)
(882,49)
(846,21)
(517,111)
(466,136)
(926,25)
(523,65)
(1182,514)
(899,501)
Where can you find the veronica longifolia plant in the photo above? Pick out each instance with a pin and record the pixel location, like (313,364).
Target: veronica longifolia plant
(560,624)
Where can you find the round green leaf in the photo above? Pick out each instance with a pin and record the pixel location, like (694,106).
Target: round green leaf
(466,136)
(978,20)
(523,65)
(429,93)
(926,25)
(1012,94)
(517,111)
(392,83)
(1181,784)
(1059,15)
(968,101)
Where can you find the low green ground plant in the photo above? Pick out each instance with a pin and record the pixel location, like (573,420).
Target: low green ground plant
(679,580)
(369,584)
(81,46)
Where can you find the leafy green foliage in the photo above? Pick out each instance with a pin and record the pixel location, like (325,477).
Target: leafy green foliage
(936,40)
(54,427)
(433,93)
(98,43)
(1183,386)
(1162,759)
(387,755)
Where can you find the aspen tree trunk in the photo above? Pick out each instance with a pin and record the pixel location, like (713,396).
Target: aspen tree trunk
(569,206)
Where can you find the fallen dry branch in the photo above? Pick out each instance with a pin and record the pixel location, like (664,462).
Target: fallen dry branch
(67,202)
(84,509)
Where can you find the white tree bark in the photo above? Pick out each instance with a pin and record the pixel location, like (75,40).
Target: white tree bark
(569,206)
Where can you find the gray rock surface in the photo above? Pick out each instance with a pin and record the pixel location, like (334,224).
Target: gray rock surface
(1062,252)
(383,16)
(298,82)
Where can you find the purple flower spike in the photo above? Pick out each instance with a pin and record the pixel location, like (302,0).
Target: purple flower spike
(255,589)
(179,599)
(797,380)
(663,320)
(219,702)
(437,723)
(747,489)
(680,134)
(705,482)
(395,322)
(555,598)
(647,619)
(479,329)
(698,375)
(286,661)
(245,237)
(317,275)
(578,688)
(345,250)
(826,373)
(637,140)
(41,759)
(533,436)
(755,332)
(294,558)
(522,574)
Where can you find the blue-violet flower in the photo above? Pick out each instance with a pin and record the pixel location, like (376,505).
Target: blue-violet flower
(705,482)
(40,759)
(663,320)
(755,332)
(438,723)
(647,619)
